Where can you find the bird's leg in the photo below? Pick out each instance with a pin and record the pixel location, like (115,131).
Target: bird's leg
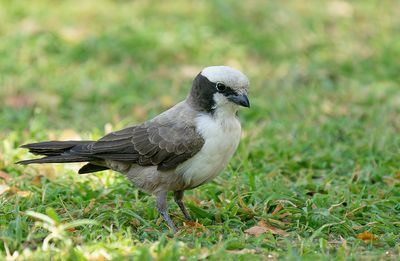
(178,195)
(161,203)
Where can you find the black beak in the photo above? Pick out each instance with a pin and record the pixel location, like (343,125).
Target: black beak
(241,100)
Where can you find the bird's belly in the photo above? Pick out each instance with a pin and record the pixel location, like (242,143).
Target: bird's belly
(221,140)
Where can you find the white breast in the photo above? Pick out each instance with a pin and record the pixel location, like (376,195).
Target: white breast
(221,136)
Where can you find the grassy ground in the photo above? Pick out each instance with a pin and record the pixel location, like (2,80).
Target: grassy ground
(316,176)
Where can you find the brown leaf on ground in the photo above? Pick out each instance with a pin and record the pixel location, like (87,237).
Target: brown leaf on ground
(273,230)
(14,190)
(256,231)
(263,227)
(193,227)
(21,193)
(70,229)
(367,236)
(90,206)
(36,181)
(4,175)
(277,209)
(193,224)
(286,214)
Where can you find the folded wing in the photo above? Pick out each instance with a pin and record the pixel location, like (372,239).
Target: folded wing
(162,144)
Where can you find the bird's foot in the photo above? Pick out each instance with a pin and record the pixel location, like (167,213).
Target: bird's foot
(161,203)
(169,221)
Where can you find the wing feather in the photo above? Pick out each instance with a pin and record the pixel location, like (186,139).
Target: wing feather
(165,142)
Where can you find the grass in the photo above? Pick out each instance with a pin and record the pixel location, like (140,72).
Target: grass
(318,164)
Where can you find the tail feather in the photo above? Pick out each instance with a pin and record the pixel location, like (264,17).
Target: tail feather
(55,159)
(89,168)
(55,152)
(52,148)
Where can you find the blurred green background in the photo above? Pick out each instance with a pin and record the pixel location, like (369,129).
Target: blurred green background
(322,132)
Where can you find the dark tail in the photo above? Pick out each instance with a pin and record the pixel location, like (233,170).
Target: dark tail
(55,152)
(63,152)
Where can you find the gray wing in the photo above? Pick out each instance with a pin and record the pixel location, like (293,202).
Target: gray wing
(164,142)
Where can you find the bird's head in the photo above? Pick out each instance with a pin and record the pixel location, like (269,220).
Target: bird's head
(219,88)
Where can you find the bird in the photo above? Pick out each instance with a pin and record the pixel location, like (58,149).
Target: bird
(182,148)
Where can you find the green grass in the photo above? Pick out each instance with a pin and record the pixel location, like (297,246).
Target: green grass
(319,157)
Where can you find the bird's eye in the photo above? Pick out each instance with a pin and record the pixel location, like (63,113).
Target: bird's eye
(221,87)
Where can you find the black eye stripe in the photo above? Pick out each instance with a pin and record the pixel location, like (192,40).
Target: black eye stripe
(225,90)
(229,91)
